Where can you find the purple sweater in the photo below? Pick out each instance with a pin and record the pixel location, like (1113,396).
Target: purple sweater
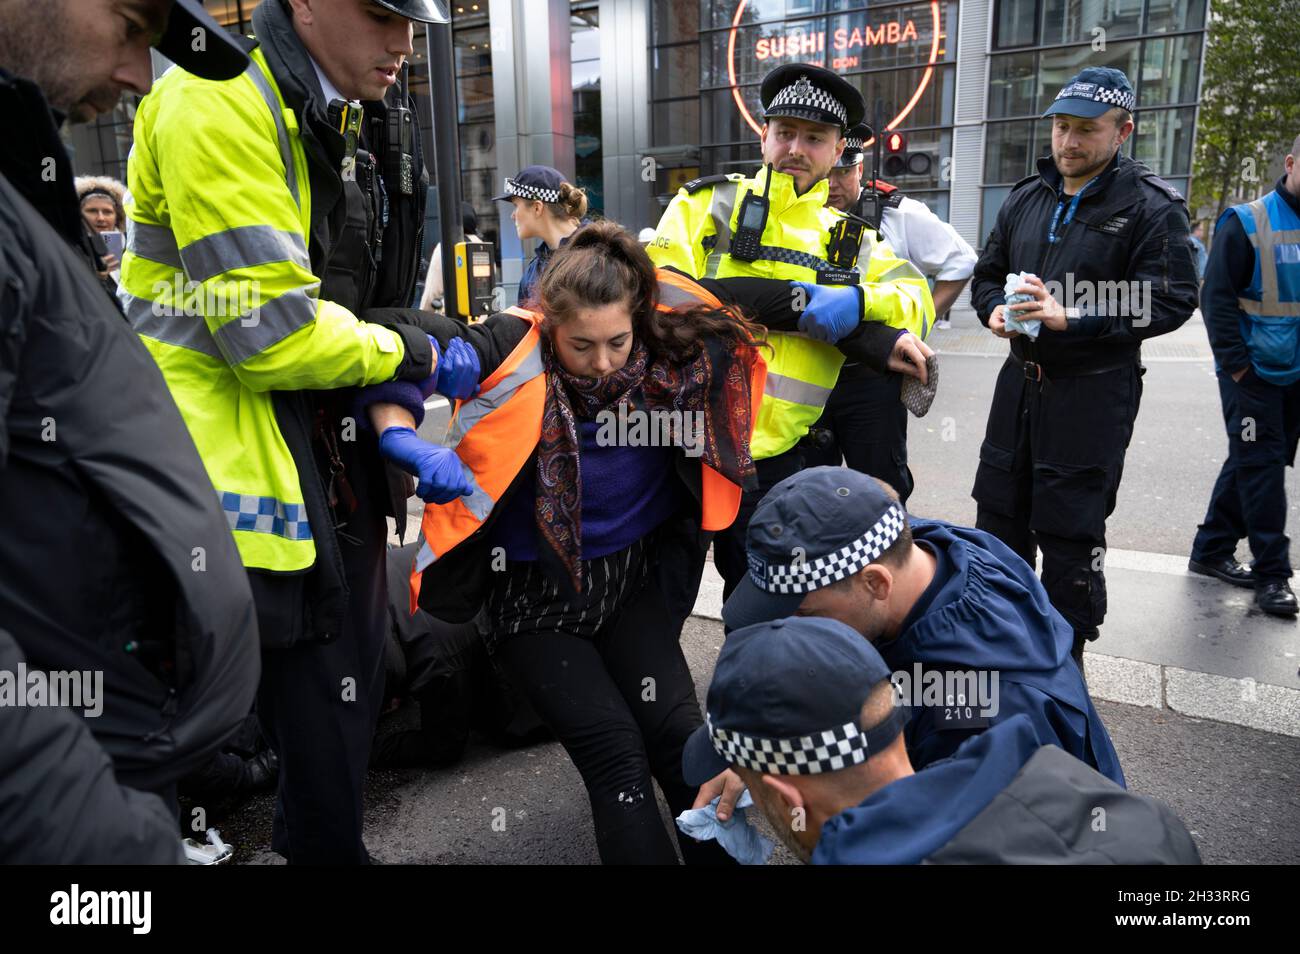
(626,493)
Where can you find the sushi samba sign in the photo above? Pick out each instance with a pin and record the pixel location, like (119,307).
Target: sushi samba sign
(912,29)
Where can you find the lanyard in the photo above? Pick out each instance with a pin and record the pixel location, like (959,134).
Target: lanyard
(1069,216)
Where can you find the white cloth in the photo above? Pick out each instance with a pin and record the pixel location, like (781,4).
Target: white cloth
(927,241)
(433,280)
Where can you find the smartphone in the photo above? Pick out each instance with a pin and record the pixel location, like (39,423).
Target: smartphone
(116,242)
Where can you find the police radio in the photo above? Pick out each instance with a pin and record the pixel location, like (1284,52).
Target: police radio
(399,157)
(871,203)
(473,280)
(747,242)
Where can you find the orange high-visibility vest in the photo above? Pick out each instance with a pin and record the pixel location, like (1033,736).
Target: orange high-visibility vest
(495,432)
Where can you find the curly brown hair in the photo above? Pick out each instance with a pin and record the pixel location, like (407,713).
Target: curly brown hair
(603,264)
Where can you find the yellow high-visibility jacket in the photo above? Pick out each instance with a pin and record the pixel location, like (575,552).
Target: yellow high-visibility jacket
(693,237)
(217,281)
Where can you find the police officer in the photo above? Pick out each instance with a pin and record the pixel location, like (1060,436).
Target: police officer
(901,581)
(775,225)
(865,422)
(1066,399)
(270,218)
(1252,313)
(804,710)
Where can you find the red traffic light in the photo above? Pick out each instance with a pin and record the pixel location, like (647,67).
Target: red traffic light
(895,142)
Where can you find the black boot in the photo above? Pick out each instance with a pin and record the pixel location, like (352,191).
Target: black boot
(1276,598)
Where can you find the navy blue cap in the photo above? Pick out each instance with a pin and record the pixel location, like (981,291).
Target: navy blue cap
(540,183)
(852,154)
(786,699)
(814,93)
(821,525)
(1093,91)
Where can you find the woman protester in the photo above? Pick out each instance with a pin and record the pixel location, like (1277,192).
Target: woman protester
(580,536)
(571,534)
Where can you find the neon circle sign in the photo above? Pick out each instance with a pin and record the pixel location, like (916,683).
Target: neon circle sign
(893,123)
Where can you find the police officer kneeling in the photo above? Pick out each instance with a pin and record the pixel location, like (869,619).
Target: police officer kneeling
(934,598)
(1114,237)
(804,711)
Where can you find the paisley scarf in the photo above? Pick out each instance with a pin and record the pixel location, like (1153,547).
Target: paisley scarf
(716,382)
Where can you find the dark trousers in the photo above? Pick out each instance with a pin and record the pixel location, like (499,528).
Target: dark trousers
(729,545)
(319,704)
(622,704)
(1049,471)
(1249,498)
(867,425)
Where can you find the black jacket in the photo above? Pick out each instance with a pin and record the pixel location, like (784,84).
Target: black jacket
(1130,226)
(59,801)
(115,554)
(312,605)
(1227,274)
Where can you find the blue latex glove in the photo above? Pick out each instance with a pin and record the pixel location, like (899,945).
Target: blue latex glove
(736,836)
(832,311)
(440,472)
(457,373)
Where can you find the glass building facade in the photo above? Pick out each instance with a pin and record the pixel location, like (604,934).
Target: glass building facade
(673,86)
(1039,44)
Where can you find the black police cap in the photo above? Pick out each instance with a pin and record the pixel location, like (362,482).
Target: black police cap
(801,91)
(857,137)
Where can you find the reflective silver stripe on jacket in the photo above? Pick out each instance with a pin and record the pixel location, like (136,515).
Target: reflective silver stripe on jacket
(479,503)
(474,410)
(675,297)
(1266,240)
(154,242)
(795,391)
(152,320)
(243,247)
(267,324)
(286,149)
(721,205)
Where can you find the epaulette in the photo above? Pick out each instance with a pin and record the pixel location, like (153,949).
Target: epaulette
(1163,186)
(695,185)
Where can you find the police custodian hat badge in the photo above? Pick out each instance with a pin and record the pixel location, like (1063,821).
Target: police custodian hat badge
(802,91)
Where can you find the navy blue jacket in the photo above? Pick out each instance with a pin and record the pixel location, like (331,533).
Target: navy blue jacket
(986,610)
(910,819)
(536,265)
(1005,797)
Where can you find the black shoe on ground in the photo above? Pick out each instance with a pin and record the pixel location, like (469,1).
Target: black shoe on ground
(1276,598)
(1228,570)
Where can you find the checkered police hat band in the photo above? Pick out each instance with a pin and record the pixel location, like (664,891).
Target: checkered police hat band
(804,95)
(809,575)
(827,751)
(531,192)
(1099,94)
